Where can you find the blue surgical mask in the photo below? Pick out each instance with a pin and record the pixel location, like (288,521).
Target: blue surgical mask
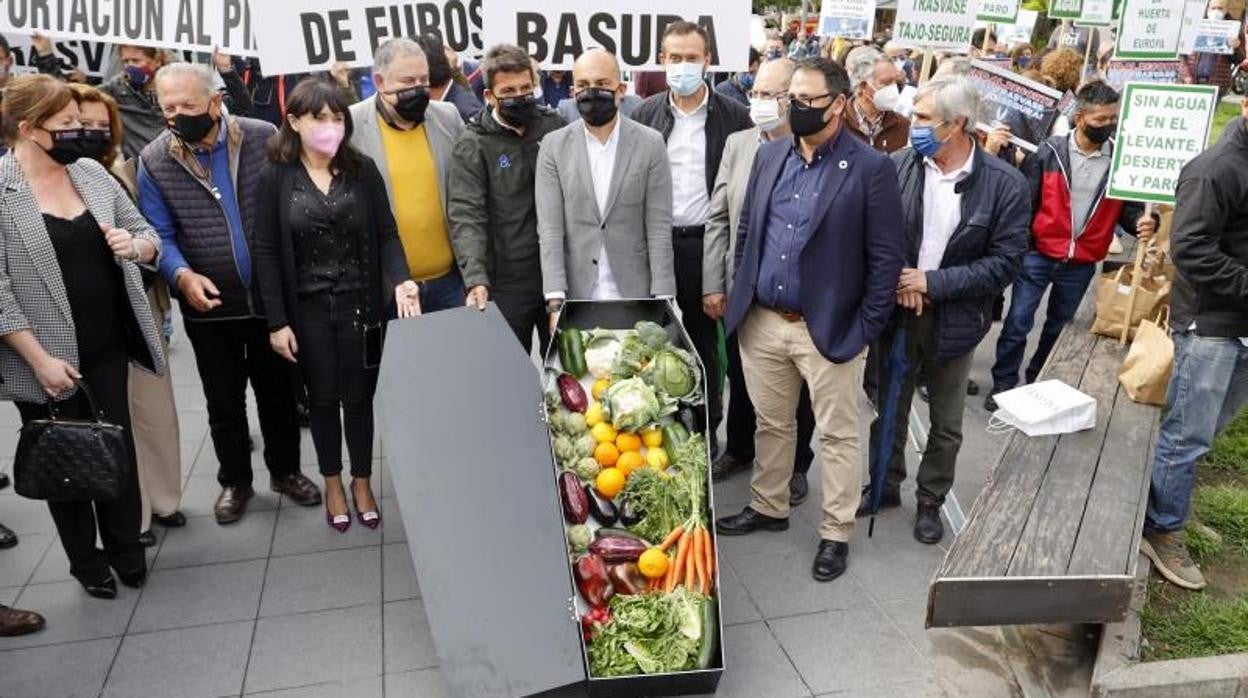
(138,76)
(684,78)
(746,80)
(924,141)
(1024,61)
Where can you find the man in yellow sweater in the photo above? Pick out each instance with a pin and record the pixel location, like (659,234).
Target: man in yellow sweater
(411,140)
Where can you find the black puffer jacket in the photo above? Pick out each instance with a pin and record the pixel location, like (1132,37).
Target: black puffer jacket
(984,254)
(1209,239)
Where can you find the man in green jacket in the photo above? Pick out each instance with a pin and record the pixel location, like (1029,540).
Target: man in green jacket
(492,213)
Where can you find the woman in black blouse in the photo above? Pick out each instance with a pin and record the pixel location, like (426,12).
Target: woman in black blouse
(330,262)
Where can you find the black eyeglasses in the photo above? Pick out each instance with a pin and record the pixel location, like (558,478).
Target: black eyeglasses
(808,101)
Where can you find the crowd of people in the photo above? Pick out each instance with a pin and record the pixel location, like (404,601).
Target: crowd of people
(831,207)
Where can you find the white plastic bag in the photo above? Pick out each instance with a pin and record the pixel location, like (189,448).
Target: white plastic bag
(1044,408)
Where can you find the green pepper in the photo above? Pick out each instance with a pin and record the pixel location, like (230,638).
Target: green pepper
(572,352)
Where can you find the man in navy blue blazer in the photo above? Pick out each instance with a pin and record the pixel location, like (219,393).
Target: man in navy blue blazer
(818,257)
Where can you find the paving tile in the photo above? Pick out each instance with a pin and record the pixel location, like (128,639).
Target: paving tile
(800,536)
(392,529)
(893,567)
(732,494)
(203,662)
(757,666)
(426,683)
(398,576)
(923,688)
(202,490)
(202,541)
(311,648)
(781,585)
(303,530)
(319,581)
(40,672)
(19,563)
(853,649)
(736,606)
(55,564)
(370,687)
(189,596)
(9,594)
(409,643)
(24,516)
(72,615)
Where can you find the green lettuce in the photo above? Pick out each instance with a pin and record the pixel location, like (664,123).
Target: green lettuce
(649,634)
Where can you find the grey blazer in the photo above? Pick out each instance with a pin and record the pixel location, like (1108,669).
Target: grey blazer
(32,290)
(442,124)
(636,226)
(726,199)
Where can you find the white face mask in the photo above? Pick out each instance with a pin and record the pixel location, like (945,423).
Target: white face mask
(537,92)
(765,113)
(1217,14)
(885,98)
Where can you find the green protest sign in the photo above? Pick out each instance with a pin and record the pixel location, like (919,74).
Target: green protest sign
(1065,9)
(935,24)
(1160,128)
(998,11)
(1149,30)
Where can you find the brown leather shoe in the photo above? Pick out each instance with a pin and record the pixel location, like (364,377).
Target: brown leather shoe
(298,488)
(14,622)
(231,504)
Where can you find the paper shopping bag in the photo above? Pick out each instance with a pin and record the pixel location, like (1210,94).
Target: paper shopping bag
(1044,408)
(1145,373)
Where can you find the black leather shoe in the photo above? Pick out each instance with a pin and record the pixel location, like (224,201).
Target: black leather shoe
(749,521)
(4,480)
(231,504)
(103,589)
(8,538)
(927,525)
(134,580)
(14,622)
(298,488)
(728,465)
(147,539)
(799,489)
(890,500)
(175,520)
(972,388)
(831,560)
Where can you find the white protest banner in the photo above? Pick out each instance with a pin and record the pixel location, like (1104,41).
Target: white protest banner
(555,32)
(1160,129)
(1096,13)
(935,24)
(847,19)
(1193,12)
(192,25)
(1019,32)
(1149,30)
(1065,9)
(1214,36)
(310,35)
(1119,73)
(94,59)
(998,11)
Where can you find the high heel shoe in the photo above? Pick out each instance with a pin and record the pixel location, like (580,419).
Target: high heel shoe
(338,522)
(103,589)
(371,519)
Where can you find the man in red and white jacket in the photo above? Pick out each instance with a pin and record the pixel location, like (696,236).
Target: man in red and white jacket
(1072,226)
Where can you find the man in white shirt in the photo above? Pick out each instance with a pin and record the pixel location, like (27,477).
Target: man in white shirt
(966,217)
(695,122)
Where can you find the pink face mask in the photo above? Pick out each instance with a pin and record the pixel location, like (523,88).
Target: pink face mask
(324,138)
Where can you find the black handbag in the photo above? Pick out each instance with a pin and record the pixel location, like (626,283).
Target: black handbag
(73,460)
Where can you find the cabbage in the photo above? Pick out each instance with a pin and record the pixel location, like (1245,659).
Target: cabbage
(632,404)
(675,373)
(638,348)
(600,353)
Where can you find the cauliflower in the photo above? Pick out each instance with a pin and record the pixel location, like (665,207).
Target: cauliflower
(601,352)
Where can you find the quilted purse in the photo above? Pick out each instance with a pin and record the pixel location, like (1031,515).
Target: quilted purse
(60,459)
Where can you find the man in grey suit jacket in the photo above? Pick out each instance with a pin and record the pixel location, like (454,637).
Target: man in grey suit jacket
(401,120)
(604,198)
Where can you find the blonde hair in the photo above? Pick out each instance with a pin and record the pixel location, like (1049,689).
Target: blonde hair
(33,99)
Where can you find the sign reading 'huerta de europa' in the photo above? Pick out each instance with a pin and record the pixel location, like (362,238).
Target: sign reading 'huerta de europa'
(937,24)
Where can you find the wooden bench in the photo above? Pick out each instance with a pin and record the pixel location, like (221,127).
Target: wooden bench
(1053,536)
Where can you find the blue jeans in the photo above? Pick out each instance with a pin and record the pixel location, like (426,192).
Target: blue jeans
(1069,281)
(443,293)
(1208,387)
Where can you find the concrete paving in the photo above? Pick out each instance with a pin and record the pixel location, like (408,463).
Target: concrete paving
(281,605)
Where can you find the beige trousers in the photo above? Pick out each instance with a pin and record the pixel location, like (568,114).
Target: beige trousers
(154,423)
(777,355)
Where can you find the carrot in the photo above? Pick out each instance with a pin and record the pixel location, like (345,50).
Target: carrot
(672,538)
(699,560)
(682,552)
(709,548)
(690,568)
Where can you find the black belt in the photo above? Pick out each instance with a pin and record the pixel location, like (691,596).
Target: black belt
(688,230)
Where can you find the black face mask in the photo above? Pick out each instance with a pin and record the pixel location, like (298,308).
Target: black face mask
(67,145)
(193,128)
(412,103)
(518,111)
(804,120)
(1099,134)
(96,143)
(596,105)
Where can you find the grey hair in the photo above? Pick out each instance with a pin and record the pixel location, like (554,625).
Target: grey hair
(954,66)
(954,97)
(392,49)
(196,71)
(860,64)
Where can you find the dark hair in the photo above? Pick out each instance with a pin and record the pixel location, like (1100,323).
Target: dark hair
(683,28)
(977,37)
(755,56)
(504,58)
(310,97)
(834,76)
(439,66)
(1095,94)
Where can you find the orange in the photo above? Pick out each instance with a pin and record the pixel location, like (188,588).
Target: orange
(629,461)
(609,482)
(628,441)
(653,563)
(606,454)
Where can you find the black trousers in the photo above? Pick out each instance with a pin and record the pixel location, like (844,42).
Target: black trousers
(340,389)
(118,520)
(741,419)
(703,331)
(525,311)
(228,354)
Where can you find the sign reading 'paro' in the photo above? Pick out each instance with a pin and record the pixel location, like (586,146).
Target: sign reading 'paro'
(1161,128)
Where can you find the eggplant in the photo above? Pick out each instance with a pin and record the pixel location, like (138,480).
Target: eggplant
(603,510)
(617,549)
(630,515)
(626,579)
(572,394)
(605,532)
(572,496)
